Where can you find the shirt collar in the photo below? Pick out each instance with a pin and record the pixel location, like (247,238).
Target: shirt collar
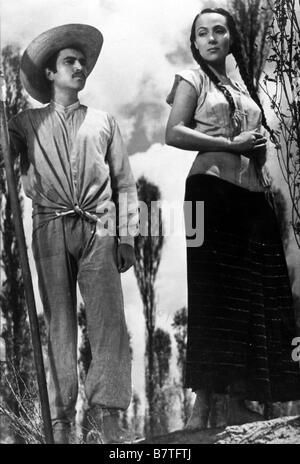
(65,109)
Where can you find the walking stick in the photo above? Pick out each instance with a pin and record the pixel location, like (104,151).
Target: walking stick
(16,210)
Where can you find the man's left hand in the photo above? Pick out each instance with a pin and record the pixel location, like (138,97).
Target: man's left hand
(125,257)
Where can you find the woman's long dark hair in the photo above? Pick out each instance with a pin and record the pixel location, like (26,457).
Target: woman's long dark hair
(236,50)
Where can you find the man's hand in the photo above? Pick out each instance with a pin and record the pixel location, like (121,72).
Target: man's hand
(125,257)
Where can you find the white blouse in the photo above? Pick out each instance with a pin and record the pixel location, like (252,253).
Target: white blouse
(213,117)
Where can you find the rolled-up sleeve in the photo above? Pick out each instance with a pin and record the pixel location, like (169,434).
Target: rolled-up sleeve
(123,186)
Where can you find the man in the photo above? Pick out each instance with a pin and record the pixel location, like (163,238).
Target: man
(76,171)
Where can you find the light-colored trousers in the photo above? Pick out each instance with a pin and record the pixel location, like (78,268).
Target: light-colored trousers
(66,250)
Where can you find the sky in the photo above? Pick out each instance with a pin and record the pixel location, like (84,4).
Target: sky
(145,43)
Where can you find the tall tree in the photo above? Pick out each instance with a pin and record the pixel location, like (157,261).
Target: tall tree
(162,351)
(162,355)
(148,246)
(252,18)
(84,361)
(282,86)
(13,309)
(136,419)
(180,333)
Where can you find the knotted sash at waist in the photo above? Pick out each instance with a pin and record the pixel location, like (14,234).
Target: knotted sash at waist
(90,217)
(42,215)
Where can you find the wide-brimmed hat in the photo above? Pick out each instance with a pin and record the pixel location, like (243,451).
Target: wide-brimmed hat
(87,38)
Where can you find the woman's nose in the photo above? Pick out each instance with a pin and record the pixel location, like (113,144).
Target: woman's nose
(211,38)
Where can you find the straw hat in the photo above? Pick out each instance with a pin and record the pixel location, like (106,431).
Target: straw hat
(32,74)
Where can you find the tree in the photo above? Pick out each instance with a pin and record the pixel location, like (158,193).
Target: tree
(136,416)
(148,246)
(84,361)
(180,333)
(162,355)
(252,18)
(15,329)
(282,86)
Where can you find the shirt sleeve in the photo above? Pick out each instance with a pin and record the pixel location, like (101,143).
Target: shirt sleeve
(123,187)
(18,144)
(192,76)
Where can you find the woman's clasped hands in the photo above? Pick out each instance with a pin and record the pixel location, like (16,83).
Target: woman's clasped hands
(250,143)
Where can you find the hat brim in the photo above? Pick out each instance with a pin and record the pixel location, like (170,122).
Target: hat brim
(87,38)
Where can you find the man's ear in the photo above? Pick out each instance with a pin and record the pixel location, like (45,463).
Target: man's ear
(49,74)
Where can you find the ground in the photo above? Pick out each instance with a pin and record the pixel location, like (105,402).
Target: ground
(285,430)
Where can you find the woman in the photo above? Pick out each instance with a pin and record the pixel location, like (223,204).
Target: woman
(240,316)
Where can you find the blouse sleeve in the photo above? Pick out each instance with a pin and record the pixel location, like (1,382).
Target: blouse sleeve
(192,76)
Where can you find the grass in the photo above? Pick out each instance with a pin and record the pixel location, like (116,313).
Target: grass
(26,423)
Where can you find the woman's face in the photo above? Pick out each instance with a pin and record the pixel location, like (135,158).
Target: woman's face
(212,37)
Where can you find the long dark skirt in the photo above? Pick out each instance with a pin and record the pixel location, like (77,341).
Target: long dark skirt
(241,320)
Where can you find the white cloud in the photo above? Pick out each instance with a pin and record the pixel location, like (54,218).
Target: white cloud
(137,35)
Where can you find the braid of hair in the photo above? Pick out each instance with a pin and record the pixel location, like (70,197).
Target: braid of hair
(236,51)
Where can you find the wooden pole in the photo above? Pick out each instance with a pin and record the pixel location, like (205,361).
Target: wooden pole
(29,294)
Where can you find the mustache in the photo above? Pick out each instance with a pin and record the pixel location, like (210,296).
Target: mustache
(79,74)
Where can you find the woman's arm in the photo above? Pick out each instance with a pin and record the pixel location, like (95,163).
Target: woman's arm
(179,133)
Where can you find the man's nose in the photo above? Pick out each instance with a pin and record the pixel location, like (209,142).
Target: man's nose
(78,66)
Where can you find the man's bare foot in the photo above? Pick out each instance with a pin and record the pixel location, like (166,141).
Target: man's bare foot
(239,413)
(200,412)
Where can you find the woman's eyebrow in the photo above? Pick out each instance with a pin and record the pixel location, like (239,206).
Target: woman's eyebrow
(206,28)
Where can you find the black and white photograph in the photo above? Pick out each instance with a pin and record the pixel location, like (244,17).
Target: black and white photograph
(149,224)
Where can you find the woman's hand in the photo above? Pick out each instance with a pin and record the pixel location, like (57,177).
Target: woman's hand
(249,143)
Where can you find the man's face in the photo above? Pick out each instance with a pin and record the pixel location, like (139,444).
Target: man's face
(70,72)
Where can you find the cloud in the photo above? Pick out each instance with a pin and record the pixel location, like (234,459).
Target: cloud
(134,68)
(137,36)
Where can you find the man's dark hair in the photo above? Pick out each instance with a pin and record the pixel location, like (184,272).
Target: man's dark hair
(51,61)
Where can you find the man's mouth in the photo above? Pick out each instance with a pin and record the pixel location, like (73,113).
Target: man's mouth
(79,76)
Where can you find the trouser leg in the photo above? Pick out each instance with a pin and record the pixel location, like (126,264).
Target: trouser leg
(57,285)
(108,381)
